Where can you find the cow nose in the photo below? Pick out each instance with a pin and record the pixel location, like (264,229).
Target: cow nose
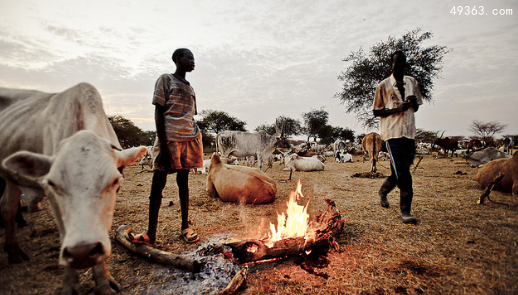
(83,255)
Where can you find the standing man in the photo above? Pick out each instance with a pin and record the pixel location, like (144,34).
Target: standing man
(178,146)
(396,100)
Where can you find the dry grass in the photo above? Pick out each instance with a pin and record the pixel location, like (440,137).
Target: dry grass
(458,247)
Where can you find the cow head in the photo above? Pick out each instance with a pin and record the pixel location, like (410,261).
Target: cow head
(80,181)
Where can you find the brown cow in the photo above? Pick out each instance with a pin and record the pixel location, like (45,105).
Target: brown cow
(508,167)
(372,145)
(244,185)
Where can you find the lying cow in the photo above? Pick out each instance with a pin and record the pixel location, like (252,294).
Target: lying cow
(297,163)
(372,145)
(343,157)
(482,157)
(243,185)
(63,146)
(508,167)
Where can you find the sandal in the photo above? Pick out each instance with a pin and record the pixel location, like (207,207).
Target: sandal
(189,236)
(140,239)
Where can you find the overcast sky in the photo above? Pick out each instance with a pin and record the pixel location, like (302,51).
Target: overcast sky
(257,60)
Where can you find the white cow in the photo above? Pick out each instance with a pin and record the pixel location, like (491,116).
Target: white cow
(245,144)
(62,145)
(298,163)
(147,158)
(205,169)
(343,157)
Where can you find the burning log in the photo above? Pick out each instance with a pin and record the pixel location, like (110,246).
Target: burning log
(326,228)
(159,256)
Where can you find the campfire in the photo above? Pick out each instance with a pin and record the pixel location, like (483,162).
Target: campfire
(294,233)
(293,224)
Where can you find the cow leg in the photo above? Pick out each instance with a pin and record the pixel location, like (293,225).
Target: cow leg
(515,189)
(70,284)
(9,206)
(211,190)
(104,282)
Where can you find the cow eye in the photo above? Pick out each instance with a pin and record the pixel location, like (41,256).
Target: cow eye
(115,182)
(50,183)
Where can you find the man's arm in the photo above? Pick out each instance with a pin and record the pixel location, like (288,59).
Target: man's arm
(162,138)
(387,112)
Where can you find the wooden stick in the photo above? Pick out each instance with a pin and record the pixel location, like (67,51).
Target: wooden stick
(489,188)
(159,256)
(420,158)
(235,283)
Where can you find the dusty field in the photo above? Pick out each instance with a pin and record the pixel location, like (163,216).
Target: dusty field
(458,247)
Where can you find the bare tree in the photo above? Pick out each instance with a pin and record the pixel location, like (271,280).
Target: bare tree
(486,131)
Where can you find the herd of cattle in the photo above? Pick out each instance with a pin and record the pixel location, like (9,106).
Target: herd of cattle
(62,146)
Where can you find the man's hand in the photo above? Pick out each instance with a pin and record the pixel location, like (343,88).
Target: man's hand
(164,159)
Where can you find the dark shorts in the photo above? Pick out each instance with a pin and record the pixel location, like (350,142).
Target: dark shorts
(184,155)
(402,153)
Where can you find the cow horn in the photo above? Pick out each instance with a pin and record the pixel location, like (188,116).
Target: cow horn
(442,133)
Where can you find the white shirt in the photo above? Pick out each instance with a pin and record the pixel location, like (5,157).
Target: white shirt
(387,96)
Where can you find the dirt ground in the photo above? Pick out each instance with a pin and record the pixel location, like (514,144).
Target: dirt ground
(457,247)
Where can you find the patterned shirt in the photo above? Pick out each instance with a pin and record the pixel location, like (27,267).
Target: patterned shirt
(179,100)
(388,96)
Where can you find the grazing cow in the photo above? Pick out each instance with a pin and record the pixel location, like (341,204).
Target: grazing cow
(147,158)
(244,144)
(508,167)
(62,145)
(243,185)
(447,144)
(482,157)
(306,164)
(372,145)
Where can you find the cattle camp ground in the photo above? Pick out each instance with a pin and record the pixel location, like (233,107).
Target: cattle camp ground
(457,247)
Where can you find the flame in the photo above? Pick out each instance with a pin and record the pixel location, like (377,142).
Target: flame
(294,223)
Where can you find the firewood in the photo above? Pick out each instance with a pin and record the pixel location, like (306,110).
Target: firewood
(159,256)
(327,227)
(235,283)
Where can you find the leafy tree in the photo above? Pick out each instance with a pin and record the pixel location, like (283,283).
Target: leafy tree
(315,122)
(217,121)
(425,136)
(291,127)
(128,134)
(367,71)
(343,134)
(486,131)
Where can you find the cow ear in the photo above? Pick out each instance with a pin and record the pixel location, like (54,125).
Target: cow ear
(130,156)
(30,165)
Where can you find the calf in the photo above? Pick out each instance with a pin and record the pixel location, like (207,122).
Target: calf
(372,145)
(243,185)
(506,166)
(63,146)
